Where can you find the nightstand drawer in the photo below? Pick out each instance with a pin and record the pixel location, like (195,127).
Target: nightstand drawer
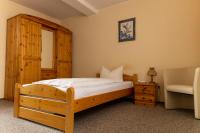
(145,89)
(146,98)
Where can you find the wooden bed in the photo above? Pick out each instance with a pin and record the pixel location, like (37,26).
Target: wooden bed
(51,107)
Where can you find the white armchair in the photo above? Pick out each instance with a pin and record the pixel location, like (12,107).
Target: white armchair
(182,89)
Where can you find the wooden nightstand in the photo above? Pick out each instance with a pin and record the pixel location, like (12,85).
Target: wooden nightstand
(145,94)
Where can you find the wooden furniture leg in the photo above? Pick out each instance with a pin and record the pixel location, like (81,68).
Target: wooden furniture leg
(16,100)
(69,117)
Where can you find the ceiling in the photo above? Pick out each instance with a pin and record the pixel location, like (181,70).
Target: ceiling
(54,8)
(62,9)
(99,4)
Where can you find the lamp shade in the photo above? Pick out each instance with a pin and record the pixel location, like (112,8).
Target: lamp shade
(152,72)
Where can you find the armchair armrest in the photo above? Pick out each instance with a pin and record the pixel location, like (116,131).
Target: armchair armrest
(196,86)
(196,83)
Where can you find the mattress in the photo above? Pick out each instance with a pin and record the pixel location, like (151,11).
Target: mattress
(86,87)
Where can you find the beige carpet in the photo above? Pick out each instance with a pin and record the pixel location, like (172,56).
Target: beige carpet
(116,117)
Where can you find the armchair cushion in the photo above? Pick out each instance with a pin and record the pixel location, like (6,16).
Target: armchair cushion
(186,89)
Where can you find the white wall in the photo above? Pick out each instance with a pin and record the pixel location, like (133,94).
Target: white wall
(9,9)
(167,36)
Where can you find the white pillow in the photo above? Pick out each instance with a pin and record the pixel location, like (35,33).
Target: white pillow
(116,74)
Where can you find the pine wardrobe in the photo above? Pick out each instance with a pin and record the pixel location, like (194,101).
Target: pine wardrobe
(24,62)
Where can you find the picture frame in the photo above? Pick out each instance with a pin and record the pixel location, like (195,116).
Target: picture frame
(126,30)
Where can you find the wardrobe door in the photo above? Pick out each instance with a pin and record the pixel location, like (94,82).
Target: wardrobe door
(64,54)
(30,65)
(11,68)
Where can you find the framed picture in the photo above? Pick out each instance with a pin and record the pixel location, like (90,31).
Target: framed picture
(126,29)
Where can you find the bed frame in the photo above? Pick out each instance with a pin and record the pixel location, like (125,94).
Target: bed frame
(51,107)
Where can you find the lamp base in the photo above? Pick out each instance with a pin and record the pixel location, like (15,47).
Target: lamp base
(151,80)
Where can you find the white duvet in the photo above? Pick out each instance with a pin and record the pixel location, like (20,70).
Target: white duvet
(75,82)
(85,87)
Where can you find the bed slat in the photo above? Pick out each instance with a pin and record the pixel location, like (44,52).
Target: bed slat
(47,105)
(43,91)
(43,118)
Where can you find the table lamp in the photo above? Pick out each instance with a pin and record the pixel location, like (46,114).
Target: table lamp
(152,72)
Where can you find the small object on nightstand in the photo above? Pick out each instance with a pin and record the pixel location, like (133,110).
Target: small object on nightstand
(145,93)
(152,72)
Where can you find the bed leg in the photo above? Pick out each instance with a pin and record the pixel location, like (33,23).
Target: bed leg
(16,99)
(69,118)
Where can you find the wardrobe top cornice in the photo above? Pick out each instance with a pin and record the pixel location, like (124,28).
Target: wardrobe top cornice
(44,22)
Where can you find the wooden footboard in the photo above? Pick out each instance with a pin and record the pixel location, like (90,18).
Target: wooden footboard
(49,106)
(52,107)
(46,105)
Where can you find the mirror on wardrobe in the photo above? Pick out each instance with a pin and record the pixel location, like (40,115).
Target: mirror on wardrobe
(47,53)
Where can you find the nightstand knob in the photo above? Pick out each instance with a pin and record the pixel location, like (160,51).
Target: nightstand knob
(143,89)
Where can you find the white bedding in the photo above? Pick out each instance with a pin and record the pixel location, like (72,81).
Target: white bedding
(85,87)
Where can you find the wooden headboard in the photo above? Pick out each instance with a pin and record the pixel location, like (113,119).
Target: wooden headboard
(126,77)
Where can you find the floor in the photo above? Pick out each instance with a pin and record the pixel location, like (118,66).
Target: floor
(116,117)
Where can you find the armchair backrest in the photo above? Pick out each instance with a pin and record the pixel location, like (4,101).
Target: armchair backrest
(183,76)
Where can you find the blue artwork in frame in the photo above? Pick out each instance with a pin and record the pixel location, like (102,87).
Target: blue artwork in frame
(126,29)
